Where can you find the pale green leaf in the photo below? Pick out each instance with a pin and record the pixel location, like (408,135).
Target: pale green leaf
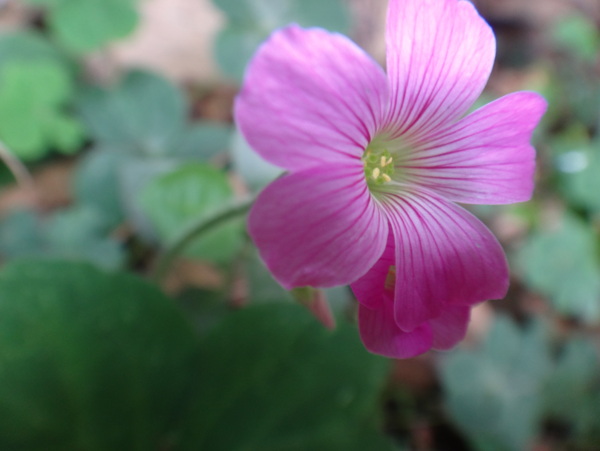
(561,262)
(32,115)
(175,200)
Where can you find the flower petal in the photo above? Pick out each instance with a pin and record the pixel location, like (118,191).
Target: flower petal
(444,255)
(318,227)
(381,335)
(439,57)
(450,327)
(371,289)
(310,97)
(378,328)
(486,158)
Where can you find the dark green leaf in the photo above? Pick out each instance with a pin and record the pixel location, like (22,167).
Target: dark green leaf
(275,379)
(88,360)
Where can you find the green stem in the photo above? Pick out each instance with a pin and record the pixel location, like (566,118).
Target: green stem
(18,169)
(194,230)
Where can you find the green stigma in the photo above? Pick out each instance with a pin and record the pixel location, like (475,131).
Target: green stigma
(379,166)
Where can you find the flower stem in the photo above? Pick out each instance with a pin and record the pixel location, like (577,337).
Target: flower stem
(17,168)
(194,230)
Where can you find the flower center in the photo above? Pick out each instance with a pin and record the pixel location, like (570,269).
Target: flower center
(379,166)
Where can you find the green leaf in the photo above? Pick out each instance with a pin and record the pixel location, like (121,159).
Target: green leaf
(32,120)
(204,308)
(96,183)
(577,93)
(234,48)
(573,380)
(579,35)
(251,22)
(202,141)
(144,114)
(583,186)
(82,233)
(86,25)
(262,287)
(270,14)
(26,46)
(176,199)
(493,393)
(562,263)
(275,379)
(254,170)
(20,234)
(135,174)
(578,163)
(89,360)
(78,233)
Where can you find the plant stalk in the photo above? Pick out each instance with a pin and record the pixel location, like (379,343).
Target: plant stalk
(194,230)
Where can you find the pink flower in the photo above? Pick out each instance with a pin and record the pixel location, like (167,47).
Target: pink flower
(375,163)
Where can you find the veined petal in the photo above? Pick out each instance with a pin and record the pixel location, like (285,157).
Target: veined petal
(439,57)
(377,285)
(444,255)
(450,327)
(319,227)
(486,158)
(381,335)
(378,328)
(311,97)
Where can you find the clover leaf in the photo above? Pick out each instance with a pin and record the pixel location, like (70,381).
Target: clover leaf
(492,393)
(32,115)
(561,262)
(251,22)
(176,199)
(86,25)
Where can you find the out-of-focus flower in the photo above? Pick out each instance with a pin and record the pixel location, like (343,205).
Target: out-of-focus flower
(375,163)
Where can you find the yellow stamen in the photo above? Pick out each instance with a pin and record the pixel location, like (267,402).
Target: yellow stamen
(379,166)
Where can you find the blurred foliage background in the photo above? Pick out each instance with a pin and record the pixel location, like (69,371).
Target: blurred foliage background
(118,138)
